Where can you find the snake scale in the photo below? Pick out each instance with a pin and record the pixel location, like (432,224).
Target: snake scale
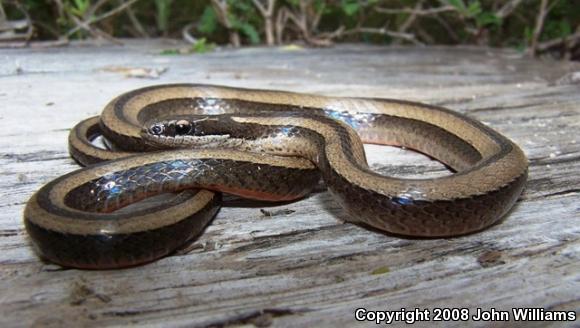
(199,140)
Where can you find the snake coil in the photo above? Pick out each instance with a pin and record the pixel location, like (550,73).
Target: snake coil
(261,144)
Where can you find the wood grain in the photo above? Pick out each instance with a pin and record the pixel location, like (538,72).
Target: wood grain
(303,266)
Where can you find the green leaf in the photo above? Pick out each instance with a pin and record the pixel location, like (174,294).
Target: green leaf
(249,31)
(295,3)
(82,5)
(320,6)
(242,6)
(202,46)
(163,11)
(473,9)
(208,22)
(79,8)
(76,12)
(487,18)
(458,4)
(565,28)
(245,28)
(528,34)
(350,7)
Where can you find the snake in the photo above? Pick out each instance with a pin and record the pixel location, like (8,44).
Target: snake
(185,144)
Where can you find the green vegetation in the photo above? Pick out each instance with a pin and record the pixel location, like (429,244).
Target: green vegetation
(540,27)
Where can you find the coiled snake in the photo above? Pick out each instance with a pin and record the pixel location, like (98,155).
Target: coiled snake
(268,145)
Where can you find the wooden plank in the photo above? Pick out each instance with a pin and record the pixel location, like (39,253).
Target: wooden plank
(306,268)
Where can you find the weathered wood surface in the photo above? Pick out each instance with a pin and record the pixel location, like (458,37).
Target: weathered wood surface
(305,268)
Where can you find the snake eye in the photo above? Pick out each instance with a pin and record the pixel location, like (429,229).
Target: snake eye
(157,129)
(182,127)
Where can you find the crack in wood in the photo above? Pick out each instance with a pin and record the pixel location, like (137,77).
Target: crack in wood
(39,156)
(257,318)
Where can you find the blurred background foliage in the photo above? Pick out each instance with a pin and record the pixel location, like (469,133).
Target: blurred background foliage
(539,27)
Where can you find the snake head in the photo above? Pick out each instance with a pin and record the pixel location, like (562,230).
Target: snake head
(181,132)
(171,128)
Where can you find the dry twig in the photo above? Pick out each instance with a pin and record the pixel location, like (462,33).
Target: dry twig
(139,29)
(507,8)
(9,29)
(539,27)
(267,12)
(186,34)
(409,21)
(415,11)
(86,24)
(572,38)
(306,19)
(383,31)
(221,8)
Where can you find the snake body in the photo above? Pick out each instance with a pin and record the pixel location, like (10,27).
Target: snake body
(268,145)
